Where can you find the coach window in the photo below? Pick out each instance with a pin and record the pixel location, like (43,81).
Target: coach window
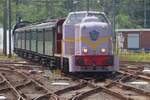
(27,40)
(40,41)
(48,42)
(23,39)
(19,41)
(15,39)
(33,40)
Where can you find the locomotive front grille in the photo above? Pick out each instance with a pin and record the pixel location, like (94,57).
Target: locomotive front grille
(94,60)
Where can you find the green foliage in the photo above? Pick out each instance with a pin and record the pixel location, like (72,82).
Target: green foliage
(1,18)
(32,13)
(1,12)
(58,10)
(123,20)
(129,13)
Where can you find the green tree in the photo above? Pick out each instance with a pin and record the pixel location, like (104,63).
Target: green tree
(129,13)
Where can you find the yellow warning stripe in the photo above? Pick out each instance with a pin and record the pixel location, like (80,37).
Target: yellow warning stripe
(88,41)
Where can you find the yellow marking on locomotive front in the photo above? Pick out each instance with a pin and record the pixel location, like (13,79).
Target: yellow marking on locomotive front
(95,44)
(88,41)
(72,40)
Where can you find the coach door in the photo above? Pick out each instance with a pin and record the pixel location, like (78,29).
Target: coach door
(59,36)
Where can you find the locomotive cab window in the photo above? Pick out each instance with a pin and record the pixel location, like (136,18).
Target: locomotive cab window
(75,18)
(101,17)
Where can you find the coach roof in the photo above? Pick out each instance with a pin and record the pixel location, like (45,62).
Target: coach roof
(37,26)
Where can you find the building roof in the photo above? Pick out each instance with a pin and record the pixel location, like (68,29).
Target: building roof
(131,30)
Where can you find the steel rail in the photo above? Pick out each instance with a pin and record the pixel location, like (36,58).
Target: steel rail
(11,86)
(29,80)
(40,85)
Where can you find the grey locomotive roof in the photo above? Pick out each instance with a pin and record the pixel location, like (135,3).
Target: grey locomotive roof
(87,12)
(37,26)
(131,30)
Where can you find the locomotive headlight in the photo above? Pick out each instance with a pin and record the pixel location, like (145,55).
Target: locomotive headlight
(85,50)
(103,50)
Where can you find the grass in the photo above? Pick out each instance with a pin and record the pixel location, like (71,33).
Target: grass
(127,56)
(139,57)
(2,57)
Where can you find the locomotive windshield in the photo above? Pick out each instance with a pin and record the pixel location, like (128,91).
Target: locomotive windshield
(100,17)
(75,18)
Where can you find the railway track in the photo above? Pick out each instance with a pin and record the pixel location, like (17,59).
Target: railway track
(30,88)
(119,88)
(17,84)
(110,89)
(8,91)
(71,87)
(113,90)
(136,77)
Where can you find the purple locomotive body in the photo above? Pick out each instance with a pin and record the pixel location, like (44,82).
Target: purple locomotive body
(88,43)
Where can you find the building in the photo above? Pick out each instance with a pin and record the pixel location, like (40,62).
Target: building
(133,39)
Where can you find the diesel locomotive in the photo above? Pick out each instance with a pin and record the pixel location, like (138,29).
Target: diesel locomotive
(82,42)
